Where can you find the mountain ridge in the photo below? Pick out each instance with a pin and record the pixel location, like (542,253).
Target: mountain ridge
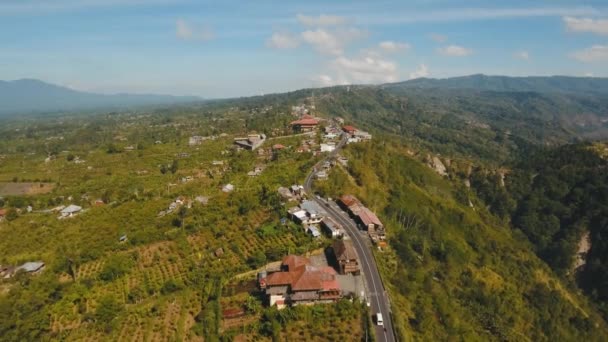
(29,95)
(481,82)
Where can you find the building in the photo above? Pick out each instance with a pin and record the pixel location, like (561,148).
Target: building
(331,227)
(306,123)
(197,140)
(251,142)
(346,257)
(328,147)
(285,194)
(314,232)
(321,175)
(300,283)
(32,267)
(369,220)
(70,211)
(349,129)
(309,212)
(228,188)
(362,136)
(350,203)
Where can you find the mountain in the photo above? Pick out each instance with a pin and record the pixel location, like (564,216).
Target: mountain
(29,95)
(540,84)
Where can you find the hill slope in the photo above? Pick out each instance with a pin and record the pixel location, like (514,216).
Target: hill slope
(454,271)
(28,95)
(540,84)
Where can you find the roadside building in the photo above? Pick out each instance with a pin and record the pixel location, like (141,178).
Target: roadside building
(328,147)
(369,220)
(349,129)
(346,257)
(321,175)
(332,228)
(300,283)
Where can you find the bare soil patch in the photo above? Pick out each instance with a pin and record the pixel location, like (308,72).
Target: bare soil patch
(20,189)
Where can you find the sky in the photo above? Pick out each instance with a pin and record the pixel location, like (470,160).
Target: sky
(235,48)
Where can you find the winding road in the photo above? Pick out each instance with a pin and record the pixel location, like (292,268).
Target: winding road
(375,294)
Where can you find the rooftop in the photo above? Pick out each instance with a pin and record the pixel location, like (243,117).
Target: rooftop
(368,217)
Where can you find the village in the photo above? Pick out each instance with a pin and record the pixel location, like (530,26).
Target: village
(329,271)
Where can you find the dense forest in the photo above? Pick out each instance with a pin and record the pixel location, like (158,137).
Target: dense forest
(556,197)
(457,270)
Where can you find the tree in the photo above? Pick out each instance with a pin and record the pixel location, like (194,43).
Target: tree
(174,166)
(69,157)
(107,310)
(115,267)
(11,214)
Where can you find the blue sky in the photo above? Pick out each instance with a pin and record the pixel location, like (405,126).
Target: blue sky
(238,48)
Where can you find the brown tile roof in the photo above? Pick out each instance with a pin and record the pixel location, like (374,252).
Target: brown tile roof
(293,262)
(349,200)
(344,250)
(367,217)
(305,122)
(304,277)
(349,129)
(278,278)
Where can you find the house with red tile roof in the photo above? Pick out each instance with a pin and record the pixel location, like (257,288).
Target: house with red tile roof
(349,129)
(299,282)
(306,123)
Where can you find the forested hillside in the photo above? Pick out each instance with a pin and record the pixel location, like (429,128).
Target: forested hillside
(559,199)
(539,84)
(455,270)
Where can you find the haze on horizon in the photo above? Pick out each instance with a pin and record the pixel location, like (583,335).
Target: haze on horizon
(240,48)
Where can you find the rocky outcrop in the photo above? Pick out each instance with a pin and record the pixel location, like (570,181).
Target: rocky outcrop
(438,166)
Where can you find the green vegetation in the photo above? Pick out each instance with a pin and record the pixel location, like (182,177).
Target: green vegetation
(555,197)
(454,268)
(457,271)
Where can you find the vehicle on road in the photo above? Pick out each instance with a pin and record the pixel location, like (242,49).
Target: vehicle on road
(379,320)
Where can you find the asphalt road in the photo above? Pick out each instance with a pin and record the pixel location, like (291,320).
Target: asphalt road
(376,294)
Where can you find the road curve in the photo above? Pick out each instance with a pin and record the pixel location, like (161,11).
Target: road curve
(376,293)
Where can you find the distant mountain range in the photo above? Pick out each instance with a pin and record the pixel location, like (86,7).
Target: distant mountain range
(35,96)
(31,96)
(539,84)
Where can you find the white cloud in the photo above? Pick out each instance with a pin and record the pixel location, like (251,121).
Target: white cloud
(283,40)
(321,20)
(523,55)
(454,50)
(597,26)
(365,70)
(331,42)
(390,46)
(421,71)
(596,53)
(325,80)
(323,41)
(439,38)
(183,30)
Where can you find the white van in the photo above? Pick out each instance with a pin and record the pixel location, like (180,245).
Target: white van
(379,319)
